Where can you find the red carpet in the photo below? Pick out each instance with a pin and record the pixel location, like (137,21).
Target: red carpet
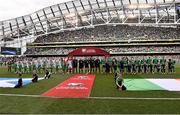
(78,86)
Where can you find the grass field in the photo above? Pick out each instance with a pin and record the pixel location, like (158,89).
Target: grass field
(103,87)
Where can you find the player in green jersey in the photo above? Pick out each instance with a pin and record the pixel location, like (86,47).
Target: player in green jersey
(155,63)
(163,65)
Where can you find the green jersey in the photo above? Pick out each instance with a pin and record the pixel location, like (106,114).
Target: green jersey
(149,60)
(155,61)
(130,62)
(110,61)
(102,61)
(174,62)
(162,61)
(125,62)
(142,62)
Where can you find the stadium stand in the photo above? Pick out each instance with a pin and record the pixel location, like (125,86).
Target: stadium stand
(65,51)
(112,33)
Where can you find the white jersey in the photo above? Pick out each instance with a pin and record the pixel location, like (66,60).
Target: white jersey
(69,64)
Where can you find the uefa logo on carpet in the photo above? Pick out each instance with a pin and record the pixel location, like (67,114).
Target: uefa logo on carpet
(75,84)
(83,77)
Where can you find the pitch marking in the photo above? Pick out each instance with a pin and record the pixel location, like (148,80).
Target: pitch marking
(99,98)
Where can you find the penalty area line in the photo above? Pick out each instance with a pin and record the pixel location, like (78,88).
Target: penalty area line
(98,98)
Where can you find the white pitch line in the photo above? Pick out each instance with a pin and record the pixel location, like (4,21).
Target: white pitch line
(20,95)
(132,98)
(98,98)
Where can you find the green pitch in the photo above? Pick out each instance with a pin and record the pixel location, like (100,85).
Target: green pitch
(103,87)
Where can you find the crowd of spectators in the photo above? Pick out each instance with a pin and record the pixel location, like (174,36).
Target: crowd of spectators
(112,33)
(165,49)
(142,49)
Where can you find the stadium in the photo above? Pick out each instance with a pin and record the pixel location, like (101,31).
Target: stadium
(92,57)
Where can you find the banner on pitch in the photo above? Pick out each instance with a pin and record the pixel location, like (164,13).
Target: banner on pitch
(78,86)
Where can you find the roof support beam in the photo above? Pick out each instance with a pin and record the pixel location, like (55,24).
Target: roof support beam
(107,10)
(67,8)
(54,15)
(116,10)
(17,24)
(10,27)
(123,9)
(24,21)
(78,17)
(62,16)
(157,11)
(40,22)
(164,15)
(84,10)
(148,9)
(33,24)
(104,19)
(47,23)
(140,14)
(92,13)
(2,28)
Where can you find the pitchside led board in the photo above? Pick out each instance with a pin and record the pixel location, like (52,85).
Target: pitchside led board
(178,10)
(10,51)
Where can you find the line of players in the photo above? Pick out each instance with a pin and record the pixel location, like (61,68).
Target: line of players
(148,65)
(90,65)
(111,65)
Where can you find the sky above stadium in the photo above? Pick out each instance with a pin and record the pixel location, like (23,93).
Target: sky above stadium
(15,8)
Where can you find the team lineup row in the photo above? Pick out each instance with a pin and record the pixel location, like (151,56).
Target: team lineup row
(85,65)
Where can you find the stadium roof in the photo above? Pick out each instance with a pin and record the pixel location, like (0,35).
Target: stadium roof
(15,8)
(87,13)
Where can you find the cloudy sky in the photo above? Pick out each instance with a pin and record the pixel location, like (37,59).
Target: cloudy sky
(14,8)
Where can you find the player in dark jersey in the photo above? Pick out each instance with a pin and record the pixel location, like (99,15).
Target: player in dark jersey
(97,65)
(170,64)
(86,65)
(114,64)
(75,65)
(91,62)
(145,66)
(81,65)
(107,67)
(121,65)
